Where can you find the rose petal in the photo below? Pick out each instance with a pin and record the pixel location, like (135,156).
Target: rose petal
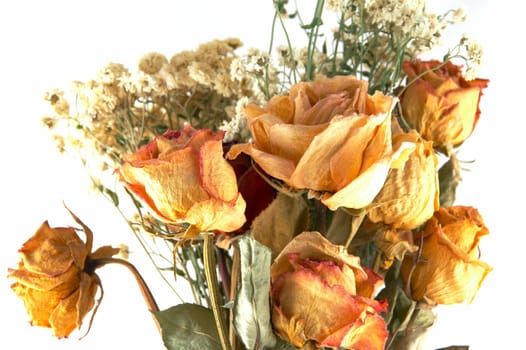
(303,295)
(217,176)
(291,141)
(211,215)
(175,185)
(320,151)
(369,332)
(313,245)
(52,251)
(279,167)
(362,190)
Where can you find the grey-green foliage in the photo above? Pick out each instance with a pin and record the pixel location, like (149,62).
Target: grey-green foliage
(252,303)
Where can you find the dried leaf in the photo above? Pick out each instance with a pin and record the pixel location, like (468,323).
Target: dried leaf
(284,218)
(252,304)
(448,180)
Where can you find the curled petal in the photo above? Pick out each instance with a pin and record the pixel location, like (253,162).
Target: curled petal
(52,251)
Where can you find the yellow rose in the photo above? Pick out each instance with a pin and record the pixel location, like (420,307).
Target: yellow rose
(55,280)
(328,136)
(440,104)
(321,294)
(410,194)
(446,269)
(183,177)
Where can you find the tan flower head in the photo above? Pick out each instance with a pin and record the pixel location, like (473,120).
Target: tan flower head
(152,62)
(447,269)
(55,278)
(328,136)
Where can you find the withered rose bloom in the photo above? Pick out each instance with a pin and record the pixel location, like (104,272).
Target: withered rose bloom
(256,191)
(410,194)
(55,279)
(323,296)
(328,136)
(447,269)
(441,105)
(183,177)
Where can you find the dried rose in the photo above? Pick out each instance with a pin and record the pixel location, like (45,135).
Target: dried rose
(321,294)
(446,269)
(183,177)
(256,191)
(328,136)
(410,194)
(440,104)
(54,277)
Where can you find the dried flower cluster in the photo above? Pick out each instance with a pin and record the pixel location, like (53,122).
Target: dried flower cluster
(119,111)
(309,193)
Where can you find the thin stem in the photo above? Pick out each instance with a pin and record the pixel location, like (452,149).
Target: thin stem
(143,244)
(223,271)
(145,290)
(213,288)
(407,320)
(236,270)
(313,35)
(188,278)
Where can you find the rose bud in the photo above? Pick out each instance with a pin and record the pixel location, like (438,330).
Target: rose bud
(439,103)
(410,194)
(54,277)
(446,269)
(328,136)
(183,177)
(322,295)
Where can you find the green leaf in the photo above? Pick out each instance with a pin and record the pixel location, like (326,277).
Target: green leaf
(189,327)
(114,197)
(252,303)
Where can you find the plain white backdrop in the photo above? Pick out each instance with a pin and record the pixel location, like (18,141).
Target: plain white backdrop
(47,44)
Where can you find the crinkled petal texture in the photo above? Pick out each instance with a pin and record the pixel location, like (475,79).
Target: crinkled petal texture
(441,105)
(321,294)
(51,281)
(328,136)
(410,194)
(448,270)
(183,177)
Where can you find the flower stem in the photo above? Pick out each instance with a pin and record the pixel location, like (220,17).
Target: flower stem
(213,288)
(236,270)
(145,290)
(313,35)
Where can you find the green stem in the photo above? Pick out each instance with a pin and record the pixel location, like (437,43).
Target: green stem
(313,35)
(213,288)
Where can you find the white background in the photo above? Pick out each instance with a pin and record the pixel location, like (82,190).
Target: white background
(46,44)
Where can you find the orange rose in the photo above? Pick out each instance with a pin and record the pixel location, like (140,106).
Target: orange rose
(441,105)
(321,294)
(328,136)
(448,270)
(410,194)
(182,176)
(55,279)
